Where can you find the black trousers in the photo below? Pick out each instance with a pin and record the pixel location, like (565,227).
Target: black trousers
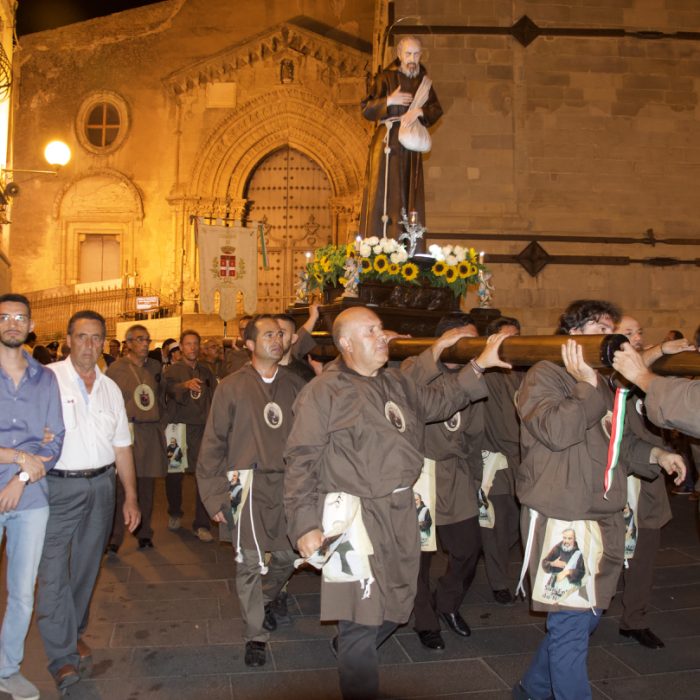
(462,542)
(145,486)
(638,579)
(358,658)
(498,540)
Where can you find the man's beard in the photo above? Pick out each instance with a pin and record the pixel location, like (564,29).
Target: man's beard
(567,547)
(12,342)
(411,72)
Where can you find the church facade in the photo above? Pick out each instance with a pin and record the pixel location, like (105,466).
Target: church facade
(568,150)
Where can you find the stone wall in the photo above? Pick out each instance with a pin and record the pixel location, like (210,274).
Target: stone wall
(202,91)
(581,136)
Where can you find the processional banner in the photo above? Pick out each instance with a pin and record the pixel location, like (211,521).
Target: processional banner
(228,263)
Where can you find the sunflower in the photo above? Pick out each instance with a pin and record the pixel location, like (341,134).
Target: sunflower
(439,268)
(451,274)
(350,251)
(465,269)
(409,271)
(381,262)
(365,265)
(394,269)
(318,277)
(343,280)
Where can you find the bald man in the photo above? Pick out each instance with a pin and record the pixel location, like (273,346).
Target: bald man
(359,434)
(648,504)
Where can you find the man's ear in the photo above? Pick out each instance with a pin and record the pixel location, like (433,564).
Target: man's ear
(295,337)
(345,345)
(250,346)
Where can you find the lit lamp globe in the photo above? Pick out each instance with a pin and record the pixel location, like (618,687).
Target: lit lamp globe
(57,153)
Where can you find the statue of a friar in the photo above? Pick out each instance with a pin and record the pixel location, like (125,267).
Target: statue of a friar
(403,104)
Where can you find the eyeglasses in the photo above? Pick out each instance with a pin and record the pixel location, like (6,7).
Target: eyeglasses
(20,318)
(138,339)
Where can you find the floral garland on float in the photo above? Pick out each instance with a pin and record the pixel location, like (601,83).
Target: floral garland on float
(385,261)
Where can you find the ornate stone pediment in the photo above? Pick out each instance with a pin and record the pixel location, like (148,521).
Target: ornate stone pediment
(344,60)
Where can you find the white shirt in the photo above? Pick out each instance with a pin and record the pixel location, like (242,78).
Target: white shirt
(95,423)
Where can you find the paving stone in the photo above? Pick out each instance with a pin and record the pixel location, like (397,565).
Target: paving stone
(304,582)
(287,685)
(495,615)
(309,603)
(164,590)
(445,677)
(679,686)
(673,575)
(671,556)
(676,597)
(198,688)
(142,634)
(156,610)
(192,661)
(184,572)
(678,655)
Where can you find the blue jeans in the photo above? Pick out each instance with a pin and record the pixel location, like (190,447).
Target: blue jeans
(25,531)
(560,666)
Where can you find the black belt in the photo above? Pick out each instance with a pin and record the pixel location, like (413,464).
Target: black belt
(79,473)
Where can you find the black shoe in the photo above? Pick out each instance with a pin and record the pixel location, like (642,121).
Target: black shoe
(456,623)
(255,654)
(334,646)
(645,637)
(112,548)
(430,639)
(280,609)
(145,543)
(503,597)
(269,622)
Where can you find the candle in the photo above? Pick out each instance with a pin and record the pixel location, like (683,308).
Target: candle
(481,258)
(413,218)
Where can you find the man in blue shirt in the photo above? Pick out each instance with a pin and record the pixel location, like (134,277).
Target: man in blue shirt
(31,436)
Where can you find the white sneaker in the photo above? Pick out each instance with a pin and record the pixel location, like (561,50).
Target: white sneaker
(174,522)
(19,687)
(204,535)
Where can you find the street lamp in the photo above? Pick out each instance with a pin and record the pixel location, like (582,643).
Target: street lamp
(56,153)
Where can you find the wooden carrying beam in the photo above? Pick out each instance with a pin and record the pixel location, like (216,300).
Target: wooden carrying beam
(524,351)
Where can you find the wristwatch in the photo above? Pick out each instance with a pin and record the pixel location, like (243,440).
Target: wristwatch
(23,476)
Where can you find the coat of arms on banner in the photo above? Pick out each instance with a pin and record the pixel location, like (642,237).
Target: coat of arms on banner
(227,266)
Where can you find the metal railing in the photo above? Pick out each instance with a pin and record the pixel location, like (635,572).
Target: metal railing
(51,312)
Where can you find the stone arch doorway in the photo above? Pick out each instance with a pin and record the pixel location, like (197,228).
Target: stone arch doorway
(290,194)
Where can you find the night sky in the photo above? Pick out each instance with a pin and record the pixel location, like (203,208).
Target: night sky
(37,15)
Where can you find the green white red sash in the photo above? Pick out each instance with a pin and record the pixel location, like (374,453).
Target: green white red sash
(618,421)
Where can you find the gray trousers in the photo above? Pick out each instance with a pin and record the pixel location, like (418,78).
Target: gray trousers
(80,519)
(638,579)
(498,540)
(255,591)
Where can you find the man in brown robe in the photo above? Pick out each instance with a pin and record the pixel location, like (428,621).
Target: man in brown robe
(359,430)
(388,105)
(138,377)
(188,389)
(250,418)
(566,414)
(454,444)
(502,435)
(671,402)
(652,509)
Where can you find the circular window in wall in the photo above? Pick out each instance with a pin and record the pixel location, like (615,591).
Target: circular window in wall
(102,122)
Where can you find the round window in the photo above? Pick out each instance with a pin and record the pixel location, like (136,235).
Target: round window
(102,122)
